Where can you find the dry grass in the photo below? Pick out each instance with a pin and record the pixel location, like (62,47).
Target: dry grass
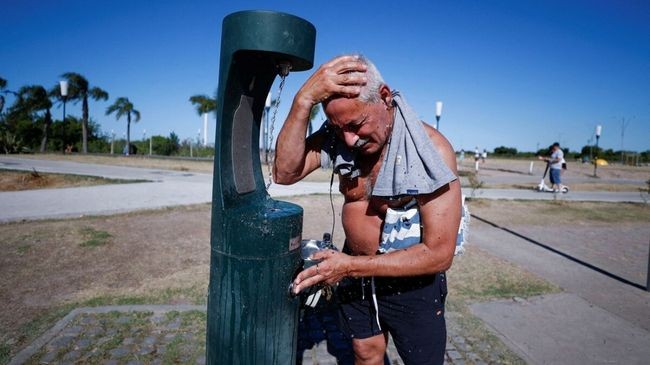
(544,213)
(176,164)
(11,180)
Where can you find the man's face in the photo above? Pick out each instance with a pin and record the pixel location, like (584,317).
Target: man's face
(364,127)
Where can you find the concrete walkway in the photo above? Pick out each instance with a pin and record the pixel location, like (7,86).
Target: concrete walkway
(165,188)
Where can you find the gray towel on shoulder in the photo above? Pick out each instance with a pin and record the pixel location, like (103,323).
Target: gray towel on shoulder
(412,164)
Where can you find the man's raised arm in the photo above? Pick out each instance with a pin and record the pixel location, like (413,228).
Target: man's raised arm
(295,155)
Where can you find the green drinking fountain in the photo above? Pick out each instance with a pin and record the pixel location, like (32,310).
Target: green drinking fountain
(255,240)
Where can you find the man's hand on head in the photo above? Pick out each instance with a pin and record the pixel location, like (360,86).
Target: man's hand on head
(341,76)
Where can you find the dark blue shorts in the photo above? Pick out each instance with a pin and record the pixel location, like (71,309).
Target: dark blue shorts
(411,309)
(555,176)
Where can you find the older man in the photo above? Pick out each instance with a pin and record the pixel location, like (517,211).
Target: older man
(401,212)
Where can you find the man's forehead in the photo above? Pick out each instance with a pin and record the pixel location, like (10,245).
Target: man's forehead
(343,109)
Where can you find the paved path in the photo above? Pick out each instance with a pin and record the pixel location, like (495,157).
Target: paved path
(164,188)
(595,320)
(170,188)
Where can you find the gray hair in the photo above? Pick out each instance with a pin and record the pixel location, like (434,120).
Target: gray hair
(370,92)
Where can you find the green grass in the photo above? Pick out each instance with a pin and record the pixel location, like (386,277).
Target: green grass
(94,238)
(5,351)
(23,249)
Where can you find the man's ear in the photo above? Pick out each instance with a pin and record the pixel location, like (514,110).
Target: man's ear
(386,95)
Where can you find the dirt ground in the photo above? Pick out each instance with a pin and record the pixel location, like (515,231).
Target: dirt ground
(11,180)
(44,264)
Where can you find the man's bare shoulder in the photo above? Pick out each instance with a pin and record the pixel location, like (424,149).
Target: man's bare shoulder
(442,145)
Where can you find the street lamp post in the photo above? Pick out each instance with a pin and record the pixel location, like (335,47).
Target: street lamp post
(438,114)
(198,142)
(64,94)
(112,140)
(599,129)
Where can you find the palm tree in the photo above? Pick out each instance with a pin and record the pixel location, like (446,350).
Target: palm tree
(3,85)
(121,107)
(33,99)
(80,90)
(204,105)
(3,90)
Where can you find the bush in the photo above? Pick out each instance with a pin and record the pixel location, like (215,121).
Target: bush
(505,151)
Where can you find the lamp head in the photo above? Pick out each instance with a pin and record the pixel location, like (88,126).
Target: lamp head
(64,88)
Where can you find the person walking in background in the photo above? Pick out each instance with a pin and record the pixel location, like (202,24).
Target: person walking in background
(484,155)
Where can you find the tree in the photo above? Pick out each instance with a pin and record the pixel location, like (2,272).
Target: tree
(4,90)
(24,115)
(65,133)
(80,90)
(122,107)
(36,99)
(204,105)
(3,85)
(505,151)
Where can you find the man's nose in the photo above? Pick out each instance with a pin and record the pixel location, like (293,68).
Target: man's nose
(350,138)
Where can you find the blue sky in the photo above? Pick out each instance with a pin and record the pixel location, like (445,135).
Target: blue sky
(521,74)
